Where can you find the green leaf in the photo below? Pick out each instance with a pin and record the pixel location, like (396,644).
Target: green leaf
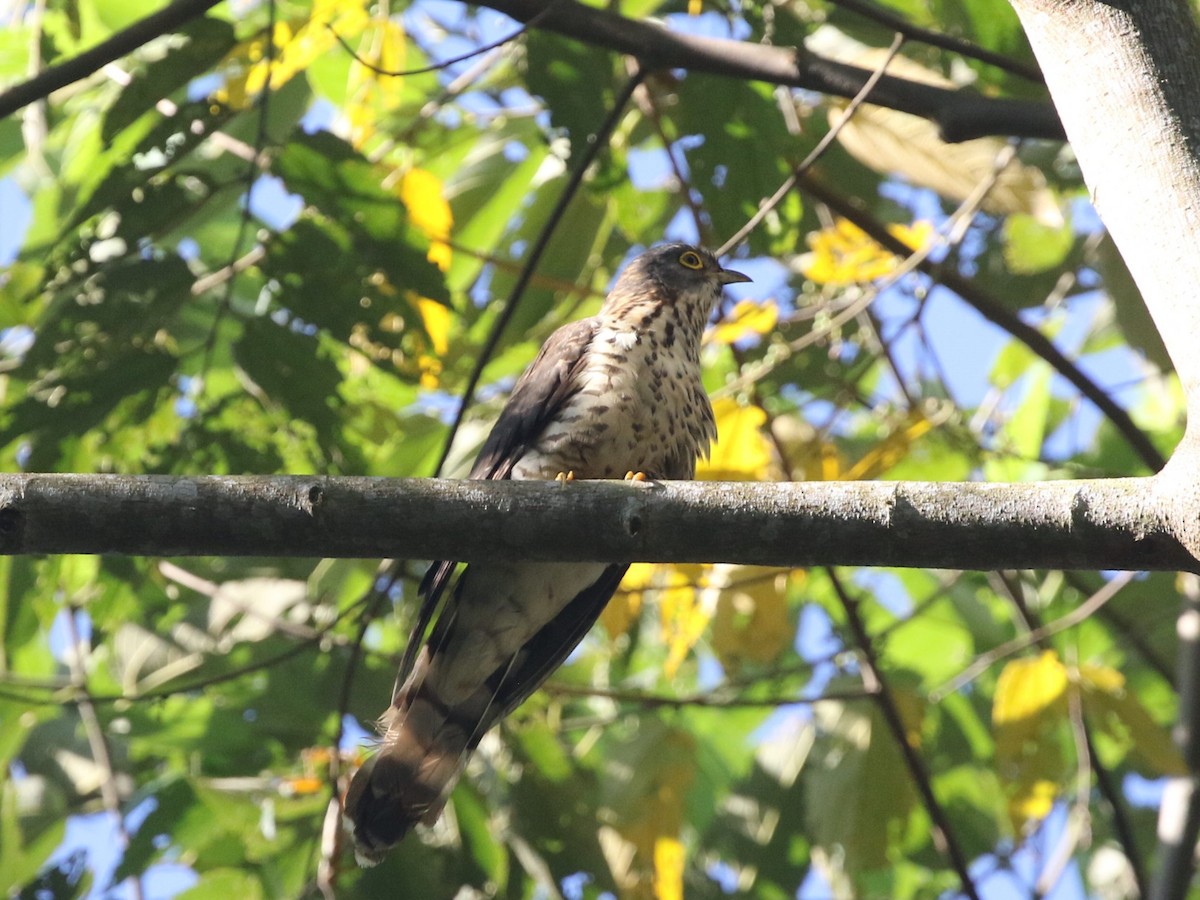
(476,830)
(222,884)
(1118,712)
(197,47)
(1031,247)
(860,794)
(573,79)
(294,371)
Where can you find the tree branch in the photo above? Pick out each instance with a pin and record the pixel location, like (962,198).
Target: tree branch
(998,314)
(961,115)
(78,67)
(1109,524)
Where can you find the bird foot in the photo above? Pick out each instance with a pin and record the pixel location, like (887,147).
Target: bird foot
(635,476)
(564,477)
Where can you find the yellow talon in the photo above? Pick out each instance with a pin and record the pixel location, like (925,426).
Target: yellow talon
(635,476)
(564,477)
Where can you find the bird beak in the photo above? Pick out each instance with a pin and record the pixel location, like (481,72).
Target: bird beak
(728,276)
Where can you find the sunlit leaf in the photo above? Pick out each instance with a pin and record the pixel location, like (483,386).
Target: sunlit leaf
(741,452)
(1030,706)
(844,254)
(889,451)
(746,319)
(424,196)
(751,622)
(1119,713)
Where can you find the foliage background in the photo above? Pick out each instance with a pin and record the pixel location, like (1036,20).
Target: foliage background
(253,256)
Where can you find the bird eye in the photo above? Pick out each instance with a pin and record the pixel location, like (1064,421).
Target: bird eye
(691,260)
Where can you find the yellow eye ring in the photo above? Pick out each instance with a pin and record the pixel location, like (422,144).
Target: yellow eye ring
(691,259)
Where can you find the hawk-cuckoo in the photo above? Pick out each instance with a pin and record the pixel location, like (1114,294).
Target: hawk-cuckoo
(618,394)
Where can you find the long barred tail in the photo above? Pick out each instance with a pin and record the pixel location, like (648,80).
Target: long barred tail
(424,747)
(506,628)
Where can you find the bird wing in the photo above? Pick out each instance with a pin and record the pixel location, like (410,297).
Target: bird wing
(549,382)
(546,650)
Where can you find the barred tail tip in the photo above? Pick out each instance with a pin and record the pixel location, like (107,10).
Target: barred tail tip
(388,796)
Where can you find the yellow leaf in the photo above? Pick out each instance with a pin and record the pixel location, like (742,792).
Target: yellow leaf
(436,317)
(372,92)
(294,51)
(428,210)
(683,613)
(741,452)
(620,612)
(668,868)
(751,620)
(1027,691)
(891,450)
(676,590)
(844,254)
(303,785)
(651,813)
(1120,714)
(624,608)
(694,7)
(1029,710)
(747,318)
(1033,803)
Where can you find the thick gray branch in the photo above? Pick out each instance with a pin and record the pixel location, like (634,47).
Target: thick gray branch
(960,115)
(1111,524)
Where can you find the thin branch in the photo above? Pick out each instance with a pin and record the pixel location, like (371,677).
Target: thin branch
(985,661)
(712,699)
(1178,831)
(943,834)
(1122,827)
(1179,814)
(110,794)
(765,207)
(995,311)
(1090,762)
(889,19)
(164,21)
(252,171)
(445,63)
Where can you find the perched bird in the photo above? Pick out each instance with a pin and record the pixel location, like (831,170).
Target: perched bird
(615,395)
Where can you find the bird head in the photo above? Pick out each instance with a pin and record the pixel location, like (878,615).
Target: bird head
(680,275)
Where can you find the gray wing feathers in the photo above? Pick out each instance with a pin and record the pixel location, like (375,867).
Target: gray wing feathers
(538,395)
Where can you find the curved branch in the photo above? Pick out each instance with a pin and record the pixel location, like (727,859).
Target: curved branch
(961,115)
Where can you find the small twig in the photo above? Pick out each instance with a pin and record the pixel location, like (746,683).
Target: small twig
(957,224)
(963,47)
(1122,827)
(816,153)
(252,170)
(110,794)
(711,699)
(78,67)
(445,63)
(1078,829)
(985,661)
(995,311)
